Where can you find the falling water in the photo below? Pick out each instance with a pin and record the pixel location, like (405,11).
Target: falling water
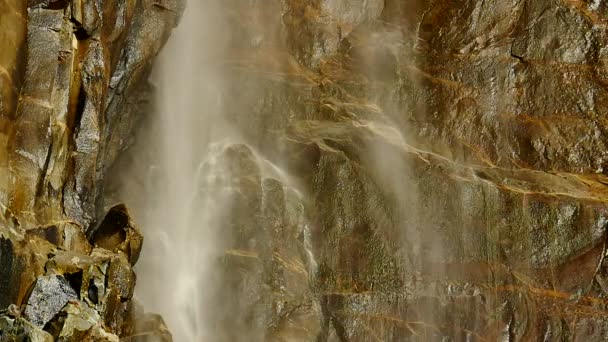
(182,214)
(187,208)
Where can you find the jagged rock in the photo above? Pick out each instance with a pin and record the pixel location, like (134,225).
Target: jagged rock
(22,263)
(49,295)
(117,233)
(103,280)
(18,329)
(82,323)
(72,80)
(97,61)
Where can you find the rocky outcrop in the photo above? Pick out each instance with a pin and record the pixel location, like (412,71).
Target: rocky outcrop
(78,84)
(73,82)
(67,291)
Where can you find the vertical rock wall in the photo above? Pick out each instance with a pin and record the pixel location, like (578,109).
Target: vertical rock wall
(73,83)
(451,160)
(450,157)
(77,84)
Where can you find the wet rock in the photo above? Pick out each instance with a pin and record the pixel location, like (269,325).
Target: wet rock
(265,267)
(451,156)
(48,297)
(316,29)
(117,233)
(149,328)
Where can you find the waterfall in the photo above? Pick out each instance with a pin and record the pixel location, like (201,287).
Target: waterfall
(184,207)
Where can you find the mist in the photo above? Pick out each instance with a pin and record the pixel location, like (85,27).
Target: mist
(184,202)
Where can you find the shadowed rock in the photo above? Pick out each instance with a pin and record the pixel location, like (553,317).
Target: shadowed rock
(19,329)
(6,266)
(118,233)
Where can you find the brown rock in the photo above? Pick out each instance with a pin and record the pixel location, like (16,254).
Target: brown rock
(117,233)
(67,235)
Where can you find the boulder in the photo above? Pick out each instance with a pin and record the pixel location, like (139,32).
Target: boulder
(49,295)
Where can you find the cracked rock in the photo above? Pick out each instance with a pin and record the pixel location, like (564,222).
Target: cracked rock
(49,296)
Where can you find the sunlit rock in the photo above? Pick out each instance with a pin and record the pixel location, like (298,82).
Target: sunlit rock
(104,281)
(49,295)
(324,170)
(83,323)
(66,235)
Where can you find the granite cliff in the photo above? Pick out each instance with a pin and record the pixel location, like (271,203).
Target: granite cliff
(446,160)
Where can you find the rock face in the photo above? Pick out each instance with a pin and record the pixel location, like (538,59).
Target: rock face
(77,81)
(73,84)
(451,157)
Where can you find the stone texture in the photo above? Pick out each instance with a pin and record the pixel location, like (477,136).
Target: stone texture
(19,329)
(81,79)
(148,328)
(265,292)
(83,323)
(450,156)
(49,296)
(73,82)
(47,269)
(67,235)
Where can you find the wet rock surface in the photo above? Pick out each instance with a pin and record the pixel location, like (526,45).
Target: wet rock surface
(449,158)
(450,161)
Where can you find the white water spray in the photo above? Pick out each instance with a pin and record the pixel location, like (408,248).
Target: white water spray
(186,206)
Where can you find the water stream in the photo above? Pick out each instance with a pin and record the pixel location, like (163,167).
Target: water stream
(184,211)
